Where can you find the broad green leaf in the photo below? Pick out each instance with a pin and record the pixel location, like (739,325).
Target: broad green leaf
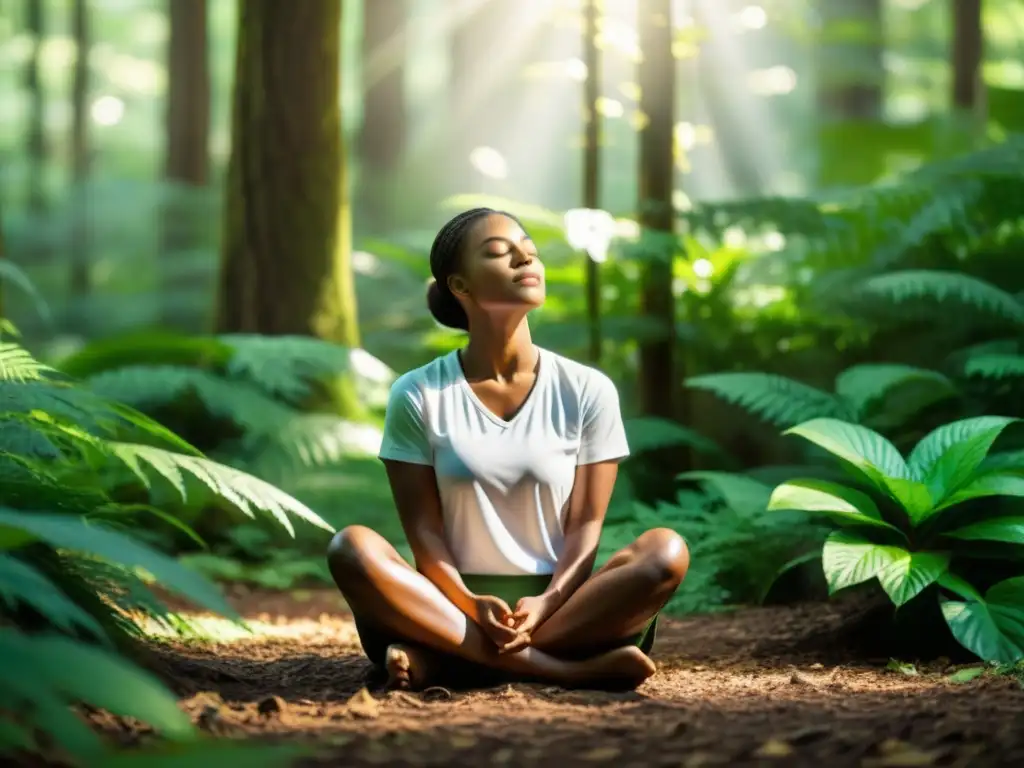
(849,559)
(960,586)
(1003,461)
(864,448)
(844,505)
(21,583)
(993,628)
(69,532)
(906,577)
(875,457)
(994,484)
(913,496)
(863,385)
(947,457)
(1009,530)
(14,737)
(649,433)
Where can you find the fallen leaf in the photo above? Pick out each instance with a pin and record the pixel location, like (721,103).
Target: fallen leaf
(774,748)
(600,754)
(363,705)
(462,741)
(894,753)
(502,756)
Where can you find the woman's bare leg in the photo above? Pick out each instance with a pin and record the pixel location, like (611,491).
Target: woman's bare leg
(618,601)
(381,586)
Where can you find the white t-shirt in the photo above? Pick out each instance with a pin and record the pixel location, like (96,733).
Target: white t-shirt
(504,485)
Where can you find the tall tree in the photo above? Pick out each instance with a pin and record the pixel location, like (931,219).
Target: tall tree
(36,138)
(851,87)
(79,149)
(967,93)
(286,264)
(659,379)
(592,163)
(187,129)
(383,132)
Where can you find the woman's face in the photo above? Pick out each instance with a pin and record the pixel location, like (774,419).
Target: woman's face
(500,268)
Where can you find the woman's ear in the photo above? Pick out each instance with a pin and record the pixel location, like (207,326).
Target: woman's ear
(458,286)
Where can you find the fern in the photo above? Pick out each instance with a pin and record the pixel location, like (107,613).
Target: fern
(243,491)
(287,366)
(780,401)
(153,388)
(17,364)
(995,366)
(863,386)
(944,287)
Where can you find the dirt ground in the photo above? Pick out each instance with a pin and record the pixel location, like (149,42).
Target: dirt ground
(757,687)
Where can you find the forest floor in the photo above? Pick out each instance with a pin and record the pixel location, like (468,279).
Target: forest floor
(755,687)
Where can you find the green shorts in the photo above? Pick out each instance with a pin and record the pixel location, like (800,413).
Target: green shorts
(375,641)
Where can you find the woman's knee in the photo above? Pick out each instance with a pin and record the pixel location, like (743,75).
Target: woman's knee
(667,555)
(351,550)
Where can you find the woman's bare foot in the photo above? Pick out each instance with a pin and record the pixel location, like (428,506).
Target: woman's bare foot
(625,667)
(408,667)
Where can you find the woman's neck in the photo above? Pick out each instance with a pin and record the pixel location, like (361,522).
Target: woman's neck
(499,350)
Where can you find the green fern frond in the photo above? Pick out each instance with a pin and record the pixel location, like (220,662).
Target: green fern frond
(284,366)
(943,287)
(776,399)
(312,440)
(288,366)
(241,490)
(17,364)
(151,388)
(995,366)
(862,386)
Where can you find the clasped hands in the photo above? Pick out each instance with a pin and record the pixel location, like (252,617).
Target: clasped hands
(512,630)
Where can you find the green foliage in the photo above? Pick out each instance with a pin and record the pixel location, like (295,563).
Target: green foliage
(915,527)
(75,574)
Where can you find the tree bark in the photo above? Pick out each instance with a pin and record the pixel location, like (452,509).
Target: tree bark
(383,133)
(852,71)
(967,50)
(79,147)
(659,379)
(36,138)
(187,129)
(592,164)
(286,265)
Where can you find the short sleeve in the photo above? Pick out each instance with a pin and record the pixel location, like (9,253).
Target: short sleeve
(603,435)
(405,434)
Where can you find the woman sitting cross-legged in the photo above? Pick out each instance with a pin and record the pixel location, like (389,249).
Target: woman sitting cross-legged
(501,458)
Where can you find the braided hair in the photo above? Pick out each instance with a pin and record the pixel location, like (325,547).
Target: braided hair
(446,260)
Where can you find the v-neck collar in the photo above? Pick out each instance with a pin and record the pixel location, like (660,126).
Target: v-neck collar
(460,373)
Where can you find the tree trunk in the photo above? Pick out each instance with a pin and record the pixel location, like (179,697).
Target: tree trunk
(187,127)
(852,71)
(36,139)
(659,380)
(851,89)
(80,83)
(967,49)
(383,132)
(287,241)
(592,164)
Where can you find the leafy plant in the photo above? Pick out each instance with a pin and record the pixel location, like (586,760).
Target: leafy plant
(912,523)
(75,578)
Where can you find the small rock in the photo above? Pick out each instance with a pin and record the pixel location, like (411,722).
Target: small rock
(271,705)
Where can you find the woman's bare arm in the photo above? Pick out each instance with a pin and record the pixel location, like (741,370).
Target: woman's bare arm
(414,488)
(588,504)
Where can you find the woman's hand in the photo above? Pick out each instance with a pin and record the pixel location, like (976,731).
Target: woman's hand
(530,613)
(495,617)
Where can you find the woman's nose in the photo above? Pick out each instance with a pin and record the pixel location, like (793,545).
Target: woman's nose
(521,258)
